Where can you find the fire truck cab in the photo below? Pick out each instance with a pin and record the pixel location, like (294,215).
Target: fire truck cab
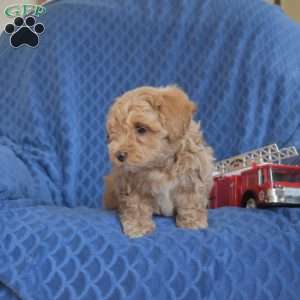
(244,183)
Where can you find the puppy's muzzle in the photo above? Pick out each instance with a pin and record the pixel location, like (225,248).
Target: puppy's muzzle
(121,156)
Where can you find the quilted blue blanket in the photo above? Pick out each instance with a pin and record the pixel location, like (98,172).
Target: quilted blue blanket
(238,59)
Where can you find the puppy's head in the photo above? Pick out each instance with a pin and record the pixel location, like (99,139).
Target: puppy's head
(144,124)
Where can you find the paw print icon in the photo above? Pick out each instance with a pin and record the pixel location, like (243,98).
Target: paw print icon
(24,32)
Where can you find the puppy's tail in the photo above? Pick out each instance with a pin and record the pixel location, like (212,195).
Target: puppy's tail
(110,200)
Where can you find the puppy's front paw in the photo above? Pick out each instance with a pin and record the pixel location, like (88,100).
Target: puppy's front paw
(194,221)
(136,230)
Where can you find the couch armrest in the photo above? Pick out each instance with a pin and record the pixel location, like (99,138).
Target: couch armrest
(28,175)
(15,178)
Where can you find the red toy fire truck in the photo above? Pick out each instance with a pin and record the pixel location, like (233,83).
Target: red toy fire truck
(257,178)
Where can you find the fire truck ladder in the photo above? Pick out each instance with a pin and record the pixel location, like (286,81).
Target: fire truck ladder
(267,154)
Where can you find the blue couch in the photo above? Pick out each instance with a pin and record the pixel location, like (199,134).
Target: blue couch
(238,59)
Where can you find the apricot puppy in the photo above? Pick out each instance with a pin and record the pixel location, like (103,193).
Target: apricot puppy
(161,163)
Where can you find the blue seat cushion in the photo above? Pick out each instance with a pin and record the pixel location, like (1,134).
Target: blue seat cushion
(62,253)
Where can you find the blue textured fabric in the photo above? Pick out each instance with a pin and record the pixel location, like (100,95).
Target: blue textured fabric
(238,59)
(64,253)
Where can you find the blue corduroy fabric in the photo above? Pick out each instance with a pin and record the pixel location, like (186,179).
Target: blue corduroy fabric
(239,60)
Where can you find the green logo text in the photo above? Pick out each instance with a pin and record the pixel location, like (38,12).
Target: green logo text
(24,10)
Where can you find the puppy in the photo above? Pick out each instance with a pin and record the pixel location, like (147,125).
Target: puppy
(161,163)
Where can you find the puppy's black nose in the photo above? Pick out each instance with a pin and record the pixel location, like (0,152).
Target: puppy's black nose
(121,156)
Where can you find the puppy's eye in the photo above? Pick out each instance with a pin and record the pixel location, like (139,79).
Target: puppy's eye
(140,129)
(107,137)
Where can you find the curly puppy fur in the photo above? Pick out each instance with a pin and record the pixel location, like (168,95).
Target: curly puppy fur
(161,163)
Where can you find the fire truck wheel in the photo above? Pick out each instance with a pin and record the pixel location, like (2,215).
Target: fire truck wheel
(251,203)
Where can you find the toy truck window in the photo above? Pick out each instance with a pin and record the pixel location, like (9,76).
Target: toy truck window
(281,175)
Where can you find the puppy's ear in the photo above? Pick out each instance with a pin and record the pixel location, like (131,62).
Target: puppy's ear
(175,110)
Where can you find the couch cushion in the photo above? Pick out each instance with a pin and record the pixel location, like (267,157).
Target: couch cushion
(61,253)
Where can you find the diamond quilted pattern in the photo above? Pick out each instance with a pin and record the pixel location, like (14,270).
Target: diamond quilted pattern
(237,59)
